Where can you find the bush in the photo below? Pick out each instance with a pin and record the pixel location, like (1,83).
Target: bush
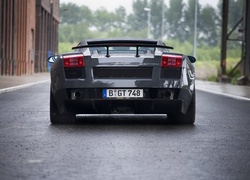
(66,47)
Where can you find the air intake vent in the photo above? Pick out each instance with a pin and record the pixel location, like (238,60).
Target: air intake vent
(123,73)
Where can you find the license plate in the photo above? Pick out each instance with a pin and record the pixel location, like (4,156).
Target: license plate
(122,93)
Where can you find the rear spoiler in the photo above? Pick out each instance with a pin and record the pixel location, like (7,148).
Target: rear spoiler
(137,45)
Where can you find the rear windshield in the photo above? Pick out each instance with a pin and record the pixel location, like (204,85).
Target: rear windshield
(122,50)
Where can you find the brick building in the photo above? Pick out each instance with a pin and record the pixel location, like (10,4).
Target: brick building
(28,33)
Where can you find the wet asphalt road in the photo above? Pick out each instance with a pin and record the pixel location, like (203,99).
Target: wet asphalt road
(123,147)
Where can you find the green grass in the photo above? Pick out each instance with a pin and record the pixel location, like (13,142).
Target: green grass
(208,70)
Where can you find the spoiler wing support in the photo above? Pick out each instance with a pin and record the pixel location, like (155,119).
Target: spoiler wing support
(122,44)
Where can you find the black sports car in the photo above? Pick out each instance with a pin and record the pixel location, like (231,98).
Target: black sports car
(106,76)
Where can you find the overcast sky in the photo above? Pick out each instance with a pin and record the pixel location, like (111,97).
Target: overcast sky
(113,4)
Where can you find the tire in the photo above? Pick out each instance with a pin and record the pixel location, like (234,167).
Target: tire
(189,117)
(56,117)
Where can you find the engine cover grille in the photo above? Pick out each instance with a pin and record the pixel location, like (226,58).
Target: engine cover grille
(123,72)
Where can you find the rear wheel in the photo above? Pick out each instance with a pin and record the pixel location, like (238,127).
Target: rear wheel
(189,117)
(56,117)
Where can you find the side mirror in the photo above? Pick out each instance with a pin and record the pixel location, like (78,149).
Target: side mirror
(52,59)
(192,59)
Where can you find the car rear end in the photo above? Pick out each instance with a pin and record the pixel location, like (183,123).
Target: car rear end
(132,77)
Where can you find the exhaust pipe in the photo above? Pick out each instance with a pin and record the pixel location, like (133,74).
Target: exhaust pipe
(165,94)
(76,95)
(169,94)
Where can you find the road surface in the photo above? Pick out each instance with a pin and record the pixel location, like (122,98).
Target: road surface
(123,147)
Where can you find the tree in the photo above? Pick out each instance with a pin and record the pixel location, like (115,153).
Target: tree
(138,19)
(174,16)
(103,19)
(119,20)
(156,18)
(72,14)
(208,25)
(189,16)
(178,24)
(74,33)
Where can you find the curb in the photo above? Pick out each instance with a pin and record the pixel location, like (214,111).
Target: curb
(224,94)
(21,86)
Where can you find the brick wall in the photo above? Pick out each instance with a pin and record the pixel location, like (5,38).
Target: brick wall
(28,31)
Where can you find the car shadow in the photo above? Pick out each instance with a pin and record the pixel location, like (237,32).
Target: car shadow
(124,120)
(123,124)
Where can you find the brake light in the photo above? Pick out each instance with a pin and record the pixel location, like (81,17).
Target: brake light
(169,60)
(73,60)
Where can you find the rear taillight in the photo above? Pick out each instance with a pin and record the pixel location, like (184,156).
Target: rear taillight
(73,60)
(169,60)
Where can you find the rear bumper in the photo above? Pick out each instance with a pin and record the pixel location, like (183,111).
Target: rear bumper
(100,106)
(93,103)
